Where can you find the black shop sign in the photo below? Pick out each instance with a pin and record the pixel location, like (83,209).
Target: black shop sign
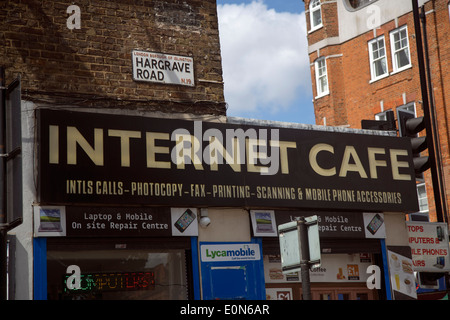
(117,221)
(95,158)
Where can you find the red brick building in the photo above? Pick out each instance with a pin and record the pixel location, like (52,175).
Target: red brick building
(364,62)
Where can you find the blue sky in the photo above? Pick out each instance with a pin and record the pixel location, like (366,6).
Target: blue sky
(265,60)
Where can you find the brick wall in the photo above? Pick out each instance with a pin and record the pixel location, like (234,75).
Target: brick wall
(329,20)
(353,96)
(91,66)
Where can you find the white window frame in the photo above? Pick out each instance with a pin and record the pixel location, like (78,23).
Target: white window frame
(395,51)
(318,68)
(382,115)
(312,10)
(373,60)
(411,107)
(422,196)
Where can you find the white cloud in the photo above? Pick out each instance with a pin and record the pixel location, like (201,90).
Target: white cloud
(264,57)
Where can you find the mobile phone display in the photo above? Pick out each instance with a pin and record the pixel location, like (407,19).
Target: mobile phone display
(185,220)
(375,224)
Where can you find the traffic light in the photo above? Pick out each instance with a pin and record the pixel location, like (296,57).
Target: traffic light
(410,126)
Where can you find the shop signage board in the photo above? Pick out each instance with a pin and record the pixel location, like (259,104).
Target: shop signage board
(347,225)
(95,221)
(162,68)
(118,159)
(230,252)
(429,246)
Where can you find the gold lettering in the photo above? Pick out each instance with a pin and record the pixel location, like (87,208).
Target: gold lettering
(396,175)
(216,148)
(181,151)
(313,159)
(252,155)
(347,166)
(373,163)
(284,145)
(152,150)
(53,144)
(124,136)
(74,137)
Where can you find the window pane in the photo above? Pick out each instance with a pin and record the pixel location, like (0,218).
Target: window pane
(423,200)
(317,19)
(396,42)
(378,55)
(380,67)
(321,77)
(400,48)
(315,3)
(375,50)
(323,84)
(402,58)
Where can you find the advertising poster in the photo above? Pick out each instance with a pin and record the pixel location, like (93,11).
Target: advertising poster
(80,221)
(403,282)
(278,293)
(263,223)
(333,268)
(429,246)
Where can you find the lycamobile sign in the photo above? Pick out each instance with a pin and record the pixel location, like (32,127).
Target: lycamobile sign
(230,252)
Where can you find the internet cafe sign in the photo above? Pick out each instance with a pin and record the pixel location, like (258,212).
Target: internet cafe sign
(118,159)
(162,68)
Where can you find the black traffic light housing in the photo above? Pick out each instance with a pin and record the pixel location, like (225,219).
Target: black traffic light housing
(410,126)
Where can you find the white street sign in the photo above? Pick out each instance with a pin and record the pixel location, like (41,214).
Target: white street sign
(162,68)
(290,245)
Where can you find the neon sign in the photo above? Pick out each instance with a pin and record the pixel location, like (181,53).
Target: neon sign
(113,281)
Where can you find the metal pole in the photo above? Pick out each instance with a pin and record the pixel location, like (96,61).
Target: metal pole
(304,256)
(3,216)
(426,113)
(433,117)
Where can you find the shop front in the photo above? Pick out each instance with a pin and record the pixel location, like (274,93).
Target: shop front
(134,207)
(349,246)
(118,253)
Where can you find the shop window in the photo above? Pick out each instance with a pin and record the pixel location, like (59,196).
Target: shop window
(118,274)
(321,77)
(315,15)
(401,58)
(377,57)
